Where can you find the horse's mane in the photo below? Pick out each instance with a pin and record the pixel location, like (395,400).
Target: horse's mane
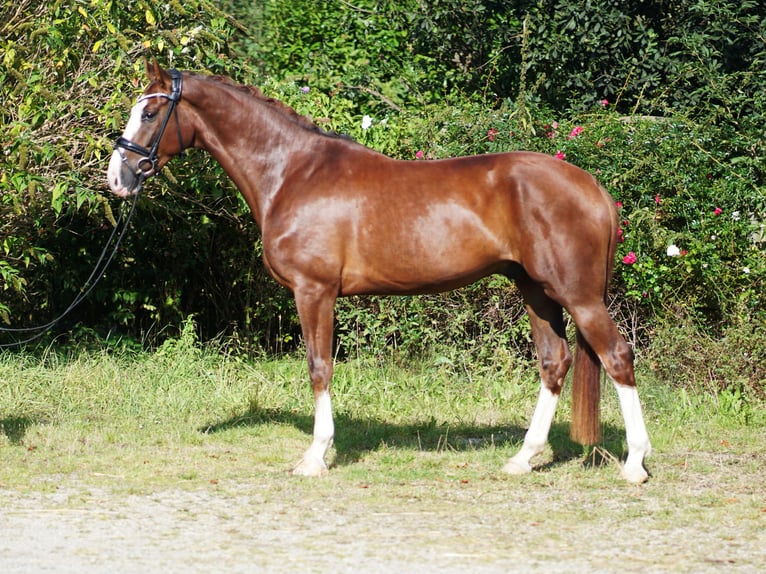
(281,107)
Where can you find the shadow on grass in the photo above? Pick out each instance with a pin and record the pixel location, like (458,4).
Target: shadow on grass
(354,437)
(15,428)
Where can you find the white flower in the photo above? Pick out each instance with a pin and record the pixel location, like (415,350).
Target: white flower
(673,251)
(735,215)
(746,270)
(366,122)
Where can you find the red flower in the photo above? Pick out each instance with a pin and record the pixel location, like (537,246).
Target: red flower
(491,134)
(560,155)
(575,132)
(717,211)
(630,258)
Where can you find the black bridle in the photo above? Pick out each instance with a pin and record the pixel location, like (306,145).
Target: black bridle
(149,155)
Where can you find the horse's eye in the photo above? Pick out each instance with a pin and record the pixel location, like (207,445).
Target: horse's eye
(148,116)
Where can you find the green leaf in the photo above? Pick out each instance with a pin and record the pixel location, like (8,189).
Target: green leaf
(57,196)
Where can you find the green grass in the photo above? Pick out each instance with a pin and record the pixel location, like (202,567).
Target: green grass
(184,415)
(102,441)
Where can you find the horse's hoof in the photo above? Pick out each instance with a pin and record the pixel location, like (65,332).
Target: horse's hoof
(517,467)
(635,475)
(310,467)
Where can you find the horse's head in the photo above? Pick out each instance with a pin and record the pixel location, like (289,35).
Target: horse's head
(153,134)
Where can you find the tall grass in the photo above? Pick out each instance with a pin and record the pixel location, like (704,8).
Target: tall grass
(169,414)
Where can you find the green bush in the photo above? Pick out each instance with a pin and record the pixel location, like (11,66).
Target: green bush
(686,354)
(691,217)
(68,75)
(647,57)
(679,144)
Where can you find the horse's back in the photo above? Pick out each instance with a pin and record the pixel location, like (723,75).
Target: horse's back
(378,225)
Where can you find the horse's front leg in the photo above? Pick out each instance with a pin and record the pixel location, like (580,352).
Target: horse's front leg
(315,309)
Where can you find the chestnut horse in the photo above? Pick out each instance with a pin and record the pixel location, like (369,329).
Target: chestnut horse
(338,218)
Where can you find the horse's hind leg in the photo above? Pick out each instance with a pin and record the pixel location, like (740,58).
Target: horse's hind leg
(549,334)
(601,333)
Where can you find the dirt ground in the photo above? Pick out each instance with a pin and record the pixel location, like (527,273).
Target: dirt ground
(707,515)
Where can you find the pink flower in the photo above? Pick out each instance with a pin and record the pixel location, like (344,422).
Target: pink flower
(630,258)
(604,102)
(419,154)
(560,155)
(555,125)
(717,211)
(620,235)
(576,131)
(657,199)
(491,134)
(618,204)
(305,89)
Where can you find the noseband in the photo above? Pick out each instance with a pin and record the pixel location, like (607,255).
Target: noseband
(149,155)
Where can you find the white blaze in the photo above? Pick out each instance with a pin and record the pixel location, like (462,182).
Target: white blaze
(114,173)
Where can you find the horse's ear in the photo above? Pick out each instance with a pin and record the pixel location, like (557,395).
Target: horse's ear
(154,72)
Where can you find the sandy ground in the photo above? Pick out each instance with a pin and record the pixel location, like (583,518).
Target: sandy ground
(490,526)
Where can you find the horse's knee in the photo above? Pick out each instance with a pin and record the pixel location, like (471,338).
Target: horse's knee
(619,363)
(602,335)
(320,373)
(553,369)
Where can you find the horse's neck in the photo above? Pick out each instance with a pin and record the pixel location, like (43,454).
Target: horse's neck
(253,141)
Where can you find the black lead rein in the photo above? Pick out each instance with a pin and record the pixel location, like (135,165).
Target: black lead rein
(148,155)
(98,272)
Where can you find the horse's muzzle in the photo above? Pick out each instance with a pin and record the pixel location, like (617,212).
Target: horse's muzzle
(123,181)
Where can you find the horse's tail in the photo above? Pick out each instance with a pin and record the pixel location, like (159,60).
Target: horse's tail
(586,394)
(586,379)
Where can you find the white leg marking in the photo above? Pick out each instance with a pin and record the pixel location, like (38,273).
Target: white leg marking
(635,431)
(312,463)
(537,435)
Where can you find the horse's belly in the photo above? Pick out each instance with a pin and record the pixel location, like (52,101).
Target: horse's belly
(442,248)
(410,270)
